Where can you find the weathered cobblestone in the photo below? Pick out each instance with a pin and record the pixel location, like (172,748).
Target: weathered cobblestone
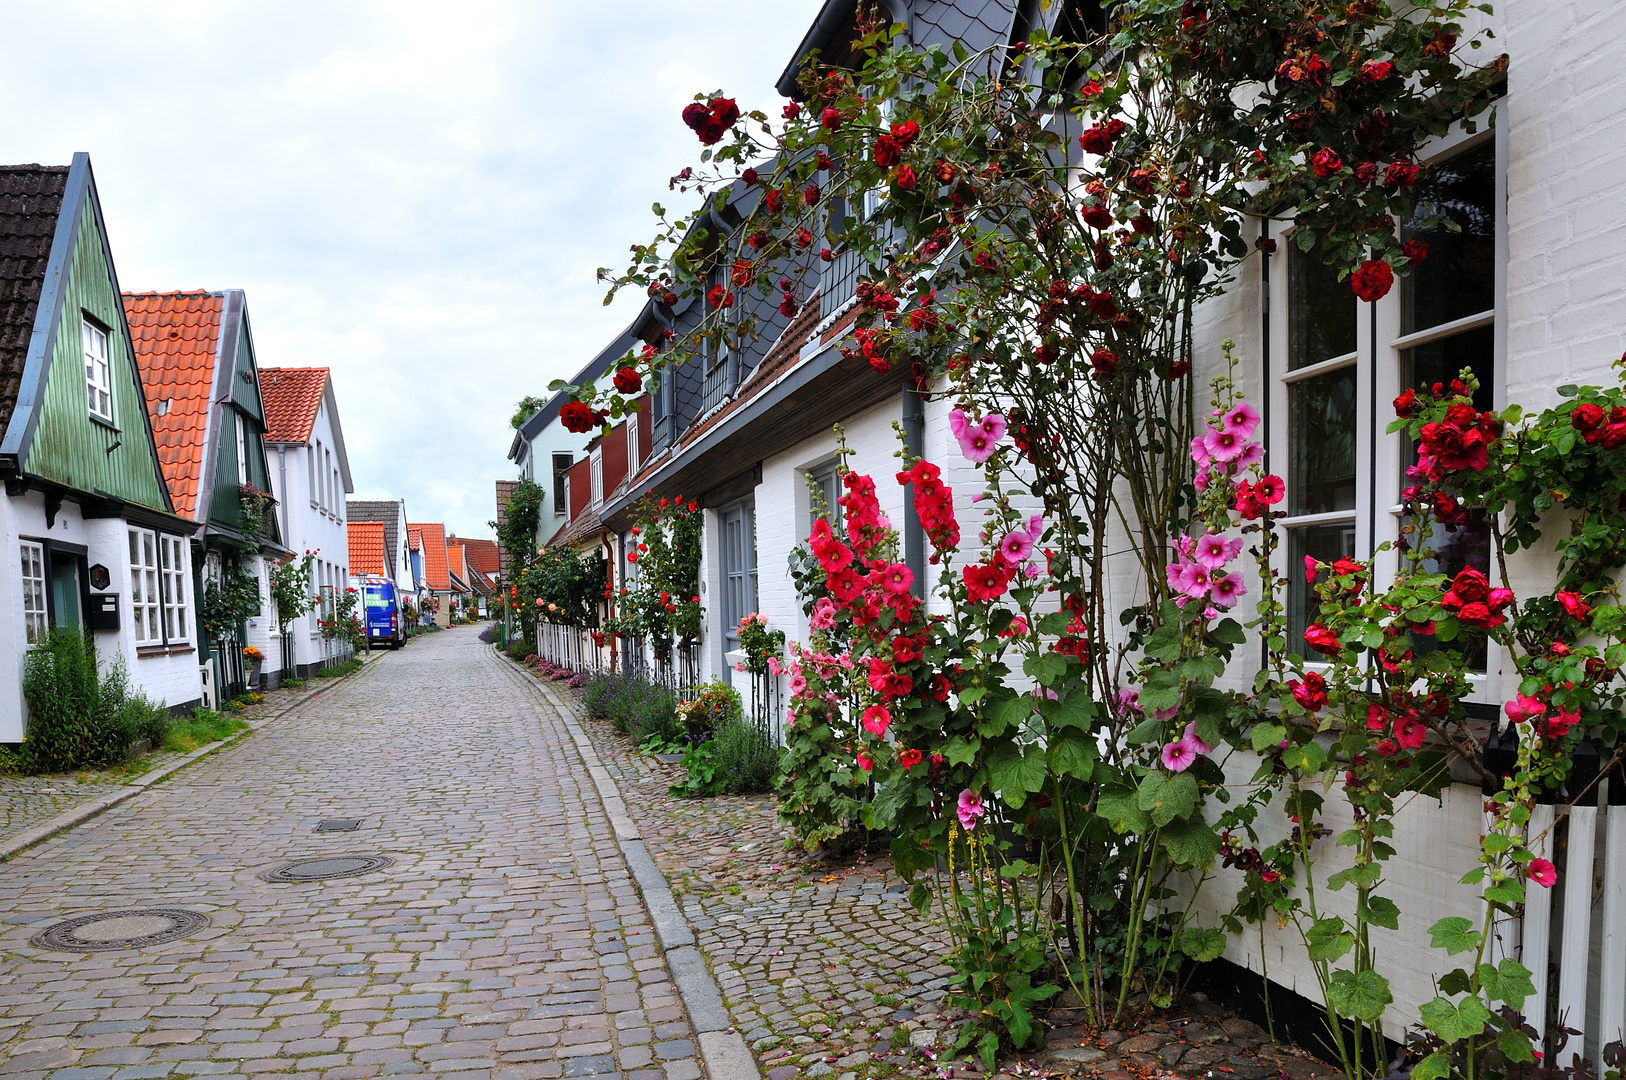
(504,943)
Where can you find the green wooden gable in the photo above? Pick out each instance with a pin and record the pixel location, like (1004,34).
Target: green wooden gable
(239,399)
(51,432)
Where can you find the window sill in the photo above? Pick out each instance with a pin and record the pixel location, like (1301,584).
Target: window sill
(108,424)
(177,649)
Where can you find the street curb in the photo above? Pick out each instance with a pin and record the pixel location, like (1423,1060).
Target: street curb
(82,813)
(721,1047)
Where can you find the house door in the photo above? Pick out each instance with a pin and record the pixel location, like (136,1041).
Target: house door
(65,591)
(739,570)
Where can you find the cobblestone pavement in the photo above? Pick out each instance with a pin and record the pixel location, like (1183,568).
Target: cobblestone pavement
(826,970)
(505,942)
(829,972)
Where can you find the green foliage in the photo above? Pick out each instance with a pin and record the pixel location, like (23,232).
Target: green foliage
(526,408)
(290,587)
(204,726)
(345,623)
(229,600)
(337,671)
(635,707)
(663,603)
(738,759)
(521,649)
(76,718)
(561,586)
(516,531)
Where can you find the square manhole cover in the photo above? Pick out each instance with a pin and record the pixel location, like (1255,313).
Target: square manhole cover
(339,824)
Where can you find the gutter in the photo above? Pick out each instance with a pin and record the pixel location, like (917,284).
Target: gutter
(829,19)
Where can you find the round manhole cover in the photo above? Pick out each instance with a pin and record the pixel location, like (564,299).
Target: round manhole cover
(329,867)
(121,930)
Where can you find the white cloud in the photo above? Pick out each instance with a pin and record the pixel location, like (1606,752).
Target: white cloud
(415,195)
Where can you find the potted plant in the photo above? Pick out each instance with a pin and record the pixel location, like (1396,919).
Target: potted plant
(256,659)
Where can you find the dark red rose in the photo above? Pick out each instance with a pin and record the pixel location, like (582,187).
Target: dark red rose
(1178,370)
(830,119)
(1099,138)
(1586,417)
(1103,363)
(1098,217)
(749,176)
(788,306)
(906,177)
(826,254)
(791,111)
(944,171)
(1376,70)
(576,417)
(1400,174)
(887,152)
(1326,162)
(1316,70)
(1416,251)
(810,195)
(1406,403)
(1373,280)
(1265,244)
(628,381)
(1322,640)
(669,298)
(1614,436)
(1470,585)
(773,198)
(905,133)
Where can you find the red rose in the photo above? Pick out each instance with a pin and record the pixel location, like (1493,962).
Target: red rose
(1586,417)
(1322,640)
(791,111)
(905,132)
(1365,172)
(906,177)
(826,254)
(1316,69)
(1376,70)
(944,171)
(628,381)
(1178,370)
(810,195)
(1104,362)
(1406,403)
(1099,138)
(749,176)
(1326,161)
(1574,606)
(1400,174)
(576,417)
(719,297)
(886,151)
(1311,693)
(1373,280)
(1470,585)
(830,119)
(743,273)
(1614,436)
(1415,250)
(1098,217)
(788,306)
(669,298)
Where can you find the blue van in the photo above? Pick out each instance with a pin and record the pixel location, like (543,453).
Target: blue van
(381,614)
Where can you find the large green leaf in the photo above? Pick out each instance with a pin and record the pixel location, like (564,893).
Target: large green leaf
(1015,774)
(1201,945)
(1328,940)
(1382,911)
(1074,709)
(1267,736)
(1117,803)
(1190,842)
(1509,981)
(1454,1022)
(1454,935)
(1168,797)
(1073,755)
(1359,995)
(1437,1066)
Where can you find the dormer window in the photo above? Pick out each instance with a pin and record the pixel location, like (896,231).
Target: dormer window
(98,374)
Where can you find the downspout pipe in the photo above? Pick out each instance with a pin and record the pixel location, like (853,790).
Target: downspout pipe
(914,441)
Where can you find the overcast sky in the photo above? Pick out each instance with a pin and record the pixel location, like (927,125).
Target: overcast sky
(413,195)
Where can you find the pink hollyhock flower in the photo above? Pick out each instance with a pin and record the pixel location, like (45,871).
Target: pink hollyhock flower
(1311,569)
(876,720)
(978,440)
(798,683)
(897,578)
(970,809)
(773,666)
(1199,451)
(1223,446)
(1543,873)
(1213,550)
(824,614)
(1191,737)
(1226,591)
(1129,699)
(1194,580)
(1241,420)
(1166,714)
(1178,755)
(957,423)
(1522,708)
(1410,732)
(1201,481)
(1016,547)
(1252,454)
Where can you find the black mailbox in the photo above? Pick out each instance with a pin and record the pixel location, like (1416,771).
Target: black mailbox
(104,611)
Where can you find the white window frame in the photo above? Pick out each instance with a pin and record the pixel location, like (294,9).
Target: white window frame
(310,468)
(97,346)
(632,444)
(242,450)
(146,588)
(1380,468)
(36,606)
(173,577)
(596,472)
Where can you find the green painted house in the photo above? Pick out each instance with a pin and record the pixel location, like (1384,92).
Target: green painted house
(91,535)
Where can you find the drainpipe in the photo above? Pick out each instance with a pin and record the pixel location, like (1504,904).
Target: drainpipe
(282,486)
(914,440)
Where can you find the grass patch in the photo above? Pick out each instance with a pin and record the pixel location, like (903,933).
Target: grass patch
(204,726)
(292,684)
(339,670)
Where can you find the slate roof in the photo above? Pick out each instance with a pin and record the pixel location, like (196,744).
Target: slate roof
(177,338)
(385,511)
(432,535)
(367,547)
(30,200)
(291,396)
(977,24)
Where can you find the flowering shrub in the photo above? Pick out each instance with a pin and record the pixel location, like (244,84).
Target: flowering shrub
(663,603)
(759,644)
(1046,237)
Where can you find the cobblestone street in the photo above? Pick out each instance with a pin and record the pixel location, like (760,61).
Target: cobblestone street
(505,938)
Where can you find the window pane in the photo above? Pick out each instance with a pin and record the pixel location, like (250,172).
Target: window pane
(1321,443)
(1327,543)
(1458,278)
(1453,549)
(1442,361)
(1320,311)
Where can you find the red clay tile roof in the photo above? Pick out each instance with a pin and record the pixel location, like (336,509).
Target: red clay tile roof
(483,555)
(176,336)
(366,547)
(433,538)
(291,396)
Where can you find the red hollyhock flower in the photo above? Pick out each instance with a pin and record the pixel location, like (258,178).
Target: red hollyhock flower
(877,719)
(1377,717)
(628,381)
(1326,162)
(985,581)
(905,650)
(1247,503)
(1322,640)
(906,177)
(1543,873)
(845,585)
(1410,732)
(864,761)
(909,758)
(1416,251)
(576,417)
(1373,280)
(1586,417)
(1269,490)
